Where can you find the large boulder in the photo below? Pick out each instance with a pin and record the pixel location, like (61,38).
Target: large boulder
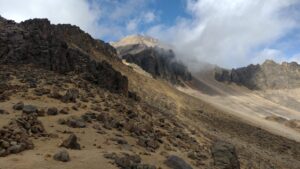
(225,156)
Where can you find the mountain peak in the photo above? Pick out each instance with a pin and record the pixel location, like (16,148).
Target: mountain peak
(138,39)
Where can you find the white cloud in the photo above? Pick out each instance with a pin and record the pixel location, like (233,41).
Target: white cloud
(149,17)
(77,12)
(132,25)
(227,32)
(102,19)
(268,54)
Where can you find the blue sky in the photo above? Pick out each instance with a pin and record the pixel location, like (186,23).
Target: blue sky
(138,15)
(230,33)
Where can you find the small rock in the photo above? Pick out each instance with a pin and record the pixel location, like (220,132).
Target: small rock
(62,155)
(15,149)
(71,96)
(52,111)
(71,143)
(3,111)
(76,123)
(29,109)
(176,162)
(18,106)
(65,110)
(41,112)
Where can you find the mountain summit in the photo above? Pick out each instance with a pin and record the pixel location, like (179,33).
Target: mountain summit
(154,57)
(137,40)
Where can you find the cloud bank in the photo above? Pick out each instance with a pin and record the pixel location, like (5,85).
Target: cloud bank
(230,33)
(77,12)
(108,19)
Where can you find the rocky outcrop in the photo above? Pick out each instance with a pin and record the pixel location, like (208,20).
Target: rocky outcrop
(60,48)
(153,57)
(160,63)
(268,75)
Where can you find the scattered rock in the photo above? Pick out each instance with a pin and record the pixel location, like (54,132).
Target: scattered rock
(70,96)
(73,122)
(62,155)
(89,116)
(18,106)
(29,109)
(225,156)
(126,161)
(42,91)
(3,111)
(176,162)
(71,143)
(52,111)
(65,110)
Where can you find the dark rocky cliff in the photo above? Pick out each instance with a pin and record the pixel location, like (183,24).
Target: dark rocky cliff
(268,75)
(60,48)
(160,63)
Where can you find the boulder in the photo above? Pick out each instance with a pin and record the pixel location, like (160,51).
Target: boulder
(52,111)
(224,156)
(176,162)
(71,143)
(18,106)
(29,109)
(62,155)
(70,96)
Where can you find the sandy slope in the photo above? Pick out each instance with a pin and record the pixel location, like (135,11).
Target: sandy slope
(252,106)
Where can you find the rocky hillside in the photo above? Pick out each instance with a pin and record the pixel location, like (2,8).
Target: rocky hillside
(49,46)
(61,98)
(154,57)
(269,75)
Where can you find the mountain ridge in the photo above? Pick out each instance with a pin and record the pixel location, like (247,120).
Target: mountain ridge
(269,75)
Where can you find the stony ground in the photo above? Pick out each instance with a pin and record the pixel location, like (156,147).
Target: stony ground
(44,113)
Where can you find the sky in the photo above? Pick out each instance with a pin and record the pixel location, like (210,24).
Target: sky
(229,33)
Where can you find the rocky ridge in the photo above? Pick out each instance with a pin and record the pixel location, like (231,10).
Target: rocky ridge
(42,44)
(269,75)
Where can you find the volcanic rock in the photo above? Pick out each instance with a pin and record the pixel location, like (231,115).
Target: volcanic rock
(48,46)
(176,162)
(62,155)
(71,143)
(18,106)
(268,75)
(52,111)
(225,156)
(29,109)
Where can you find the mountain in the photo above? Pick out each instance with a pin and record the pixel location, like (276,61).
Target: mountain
(68,101)
(153,57)
(268,75)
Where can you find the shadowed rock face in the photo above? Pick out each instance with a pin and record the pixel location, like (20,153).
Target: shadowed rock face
(160,63)
(268,75)
(60,48)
